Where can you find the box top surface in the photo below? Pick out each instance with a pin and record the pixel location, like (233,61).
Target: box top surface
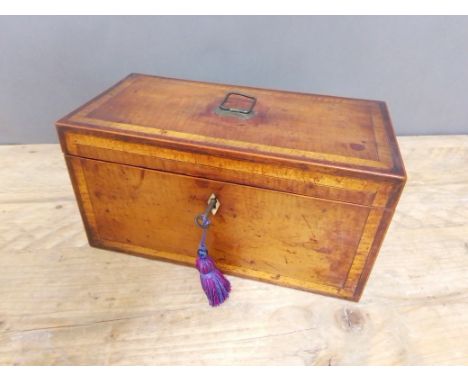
(328,131)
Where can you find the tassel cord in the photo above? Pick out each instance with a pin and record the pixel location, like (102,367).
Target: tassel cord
(204,223)
(202,250)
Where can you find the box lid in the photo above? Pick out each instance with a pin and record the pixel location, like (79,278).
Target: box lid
(245,122)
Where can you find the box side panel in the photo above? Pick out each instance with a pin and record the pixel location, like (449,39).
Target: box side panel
(364,267)
(78,181)
(287,239)
(363,276)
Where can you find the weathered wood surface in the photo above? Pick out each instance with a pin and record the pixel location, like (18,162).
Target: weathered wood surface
(62,302)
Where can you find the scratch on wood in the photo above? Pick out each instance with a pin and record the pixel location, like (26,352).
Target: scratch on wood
(304,218)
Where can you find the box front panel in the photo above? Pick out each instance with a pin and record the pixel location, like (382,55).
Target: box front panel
(292,240)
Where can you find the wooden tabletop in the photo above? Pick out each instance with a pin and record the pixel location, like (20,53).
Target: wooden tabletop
(62,302)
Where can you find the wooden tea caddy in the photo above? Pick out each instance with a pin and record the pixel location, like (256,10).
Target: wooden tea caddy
(307,184)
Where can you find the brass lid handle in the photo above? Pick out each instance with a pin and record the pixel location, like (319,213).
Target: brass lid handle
(233,99)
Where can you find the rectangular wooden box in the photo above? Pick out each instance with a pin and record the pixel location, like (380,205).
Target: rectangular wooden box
(307,183)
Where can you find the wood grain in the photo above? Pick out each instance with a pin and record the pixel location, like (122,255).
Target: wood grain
(62,302)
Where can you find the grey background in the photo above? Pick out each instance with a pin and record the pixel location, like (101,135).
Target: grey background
(418,65)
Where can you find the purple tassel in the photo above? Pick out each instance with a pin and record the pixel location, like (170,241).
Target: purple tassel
(213,282)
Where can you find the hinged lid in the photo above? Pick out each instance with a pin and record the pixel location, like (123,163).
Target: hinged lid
(250,123)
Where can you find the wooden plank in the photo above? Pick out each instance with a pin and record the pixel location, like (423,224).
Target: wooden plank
(62,302)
